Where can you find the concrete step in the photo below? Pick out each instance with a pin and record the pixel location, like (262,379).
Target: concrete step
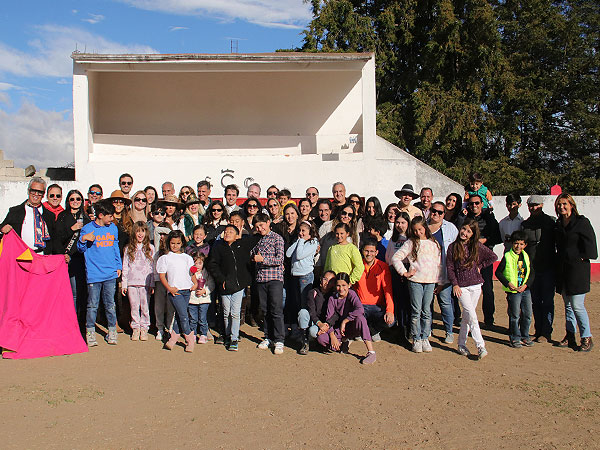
(8,163)
(11,172)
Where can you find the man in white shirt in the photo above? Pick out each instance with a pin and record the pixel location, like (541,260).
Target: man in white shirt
(512,222)
(231,195)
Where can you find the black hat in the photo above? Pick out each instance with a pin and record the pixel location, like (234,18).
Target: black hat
(406,189)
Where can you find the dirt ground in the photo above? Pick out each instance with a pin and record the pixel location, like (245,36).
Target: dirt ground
(138,396)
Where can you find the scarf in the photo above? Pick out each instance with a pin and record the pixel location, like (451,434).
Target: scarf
(40,229)
(54,210)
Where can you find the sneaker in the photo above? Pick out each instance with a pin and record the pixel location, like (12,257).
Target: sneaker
(233,346)
(159,335)
(265,344)
(426,345)
(219,340)
(369,358)
(111,337)
(449,338)
(376,338)
(417,346)
(143,335)
(278,348)
(90,338)
(527,342)
(516,344)
(135,335)
(586,344)
(464,351)
(209,336)
(202,339)
(481,353)
(304,349)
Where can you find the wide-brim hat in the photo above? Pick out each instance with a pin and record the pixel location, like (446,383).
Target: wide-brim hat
(406,189)
(118,195)
(170,200)
(191,200)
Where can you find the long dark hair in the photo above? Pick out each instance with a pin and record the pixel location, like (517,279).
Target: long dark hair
(376,204)
(396,233)
(451,214)
(416,241)
(472,245)
(68,207)
(209,219)
(174,235)
(360,211)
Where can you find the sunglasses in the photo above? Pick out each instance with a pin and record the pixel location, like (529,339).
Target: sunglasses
(252,206)
(310,194)
(474,203)
(272,192)
(357,202)
(55,196)
(437,211)
(95,193)
(119,202)
(75,199)
(217,209)
(127,183)
(140,199)
(185,192)
(36,192)
(346,213)
(156,213)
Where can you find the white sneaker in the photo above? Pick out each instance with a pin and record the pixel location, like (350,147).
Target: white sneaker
(482,353)
(159,335)
(449,338)
(426,345)
(264,344)
(417,346)
(278,348)
(376,337)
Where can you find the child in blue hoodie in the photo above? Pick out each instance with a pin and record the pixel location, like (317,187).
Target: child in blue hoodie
(99,244)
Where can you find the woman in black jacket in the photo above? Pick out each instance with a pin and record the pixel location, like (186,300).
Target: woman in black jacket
(575,246)
(67,227)
(228,262)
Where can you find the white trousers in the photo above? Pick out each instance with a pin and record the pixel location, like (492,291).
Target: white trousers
(468,303)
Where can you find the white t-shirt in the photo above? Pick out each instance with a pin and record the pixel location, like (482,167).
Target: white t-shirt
(177,267)
(28,230)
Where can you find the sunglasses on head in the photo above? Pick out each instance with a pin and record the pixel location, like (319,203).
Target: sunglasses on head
(95,193)
(127,183)
(36,191)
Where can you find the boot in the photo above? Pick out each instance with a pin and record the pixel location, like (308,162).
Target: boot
(172,341)
(190,342)
(586,344)
(568,341)
(304,348)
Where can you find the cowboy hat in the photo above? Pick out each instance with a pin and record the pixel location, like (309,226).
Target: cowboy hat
(406,189)
(170,200)
(118,195)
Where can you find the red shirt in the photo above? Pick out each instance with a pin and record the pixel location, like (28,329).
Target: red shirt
(375,286)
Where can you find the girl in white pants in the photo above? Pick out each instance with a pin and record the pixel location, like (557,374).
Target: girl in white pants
(465,259)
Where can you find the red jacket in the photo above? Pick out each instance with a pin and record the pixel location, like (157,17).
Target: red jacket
(375,286)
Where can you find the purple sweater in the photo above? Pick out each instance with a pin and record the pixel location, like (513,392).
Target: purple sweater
(459,275)
(339,309)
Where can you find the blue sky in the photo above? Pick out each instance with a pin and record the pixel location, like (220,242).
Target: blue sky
(37,38)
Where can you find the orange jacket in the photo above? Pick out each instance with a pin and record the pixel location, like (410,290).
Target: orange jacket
(375,286)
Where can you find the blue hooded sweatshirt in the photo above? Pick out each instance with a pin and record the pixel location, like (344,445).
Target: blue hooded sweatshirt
(102,257)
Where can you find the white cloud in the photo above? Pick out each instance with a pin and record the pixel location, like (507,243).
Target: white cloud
(93,18)
(267,13)
(7,86)
(4,98)
(178,28)
(34,136)
(63,81)
(49,55)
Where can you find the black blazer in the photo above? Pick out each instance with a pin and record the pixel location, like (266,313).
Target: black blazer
(16,216)
(575,246)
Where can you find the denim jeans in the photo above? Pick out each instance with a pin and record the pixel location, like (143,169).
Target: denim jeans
(446,303)
(107,289)
(576,315)
(374,315)
(488,306)
(304,322)
(180,302)
(542,300)
(270,296)
(198,315)
(519,315)
(232,306)
(421,296)
(295,294)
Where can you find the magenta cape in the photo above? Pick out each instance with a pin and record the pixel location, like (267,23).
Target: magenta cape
(37,314)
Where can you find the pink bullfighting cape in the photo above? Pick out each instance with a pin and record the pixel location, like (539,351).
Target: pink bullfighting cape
(37,314)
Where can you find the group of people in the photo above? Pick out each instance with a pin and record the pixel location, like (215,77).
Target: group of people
(328,271)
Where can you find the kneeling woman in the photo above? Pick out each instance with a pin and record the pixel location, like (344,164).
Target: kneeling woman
(346,320)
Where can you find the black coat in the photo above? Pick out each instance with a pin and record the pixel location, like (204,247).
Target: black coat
(230,264)
(575,246)
(488,227)
(541,246)
(16,216)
